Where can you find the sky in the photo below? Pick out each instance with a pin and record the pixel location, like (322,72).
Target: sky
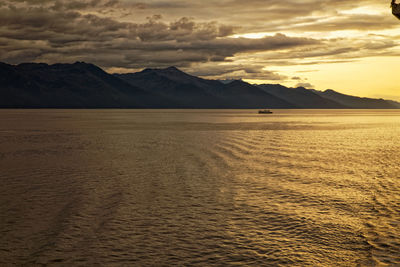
(349,46)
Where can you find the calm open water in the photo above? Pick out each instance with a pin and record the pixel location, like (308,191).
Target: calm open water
(205,187)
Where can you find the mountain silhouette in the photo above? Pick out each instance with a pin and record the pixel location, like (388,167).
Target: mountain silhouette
(303,98)
(189,91)
(84,85)
(78,85)
(358,102)
(253,96)
(196,92)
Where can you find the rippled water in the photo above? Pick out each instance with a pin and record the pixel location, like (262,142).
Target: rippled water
(182,187)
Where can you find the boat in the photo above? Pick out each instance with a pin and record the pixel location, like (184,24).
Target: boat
(265,111)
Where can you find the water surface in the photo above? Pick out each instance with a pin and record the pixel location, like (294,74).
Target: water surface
(200,187)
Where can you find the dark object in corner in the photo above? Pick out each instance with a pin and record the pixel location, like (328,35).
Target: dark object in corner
(395,9)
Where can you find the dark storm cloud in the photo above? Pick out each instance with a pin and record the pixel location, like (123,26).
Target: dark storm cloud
(41,34)
(305,85)
(261,15)
(234,71)
(221,70)
(191,34)
(68,4)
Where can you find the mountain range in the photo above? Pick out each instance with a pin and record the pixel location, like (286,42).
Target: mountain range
(83,85)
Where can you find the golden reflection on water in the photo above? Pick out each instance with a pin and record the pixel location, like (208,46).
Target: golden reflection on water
(200,187)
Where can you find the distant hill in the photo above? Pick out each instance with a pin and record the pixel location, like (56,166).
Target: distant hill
(189,91)
(78,85)
(195,92)
(83,85)
(246,94)
(301,97)
(358,102)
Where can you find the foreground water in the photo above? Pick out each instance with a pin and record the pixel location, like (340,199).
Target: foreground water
(182,187)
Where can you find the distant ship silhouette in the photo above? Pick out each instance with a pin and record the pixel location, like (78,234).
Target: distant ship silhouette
(265,111)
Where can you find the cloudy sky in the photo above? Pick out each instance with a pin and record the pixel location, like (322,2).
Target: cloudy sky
(348,46)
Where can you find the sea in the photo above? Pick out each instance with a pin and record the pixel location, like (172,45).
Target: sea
(199,188)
